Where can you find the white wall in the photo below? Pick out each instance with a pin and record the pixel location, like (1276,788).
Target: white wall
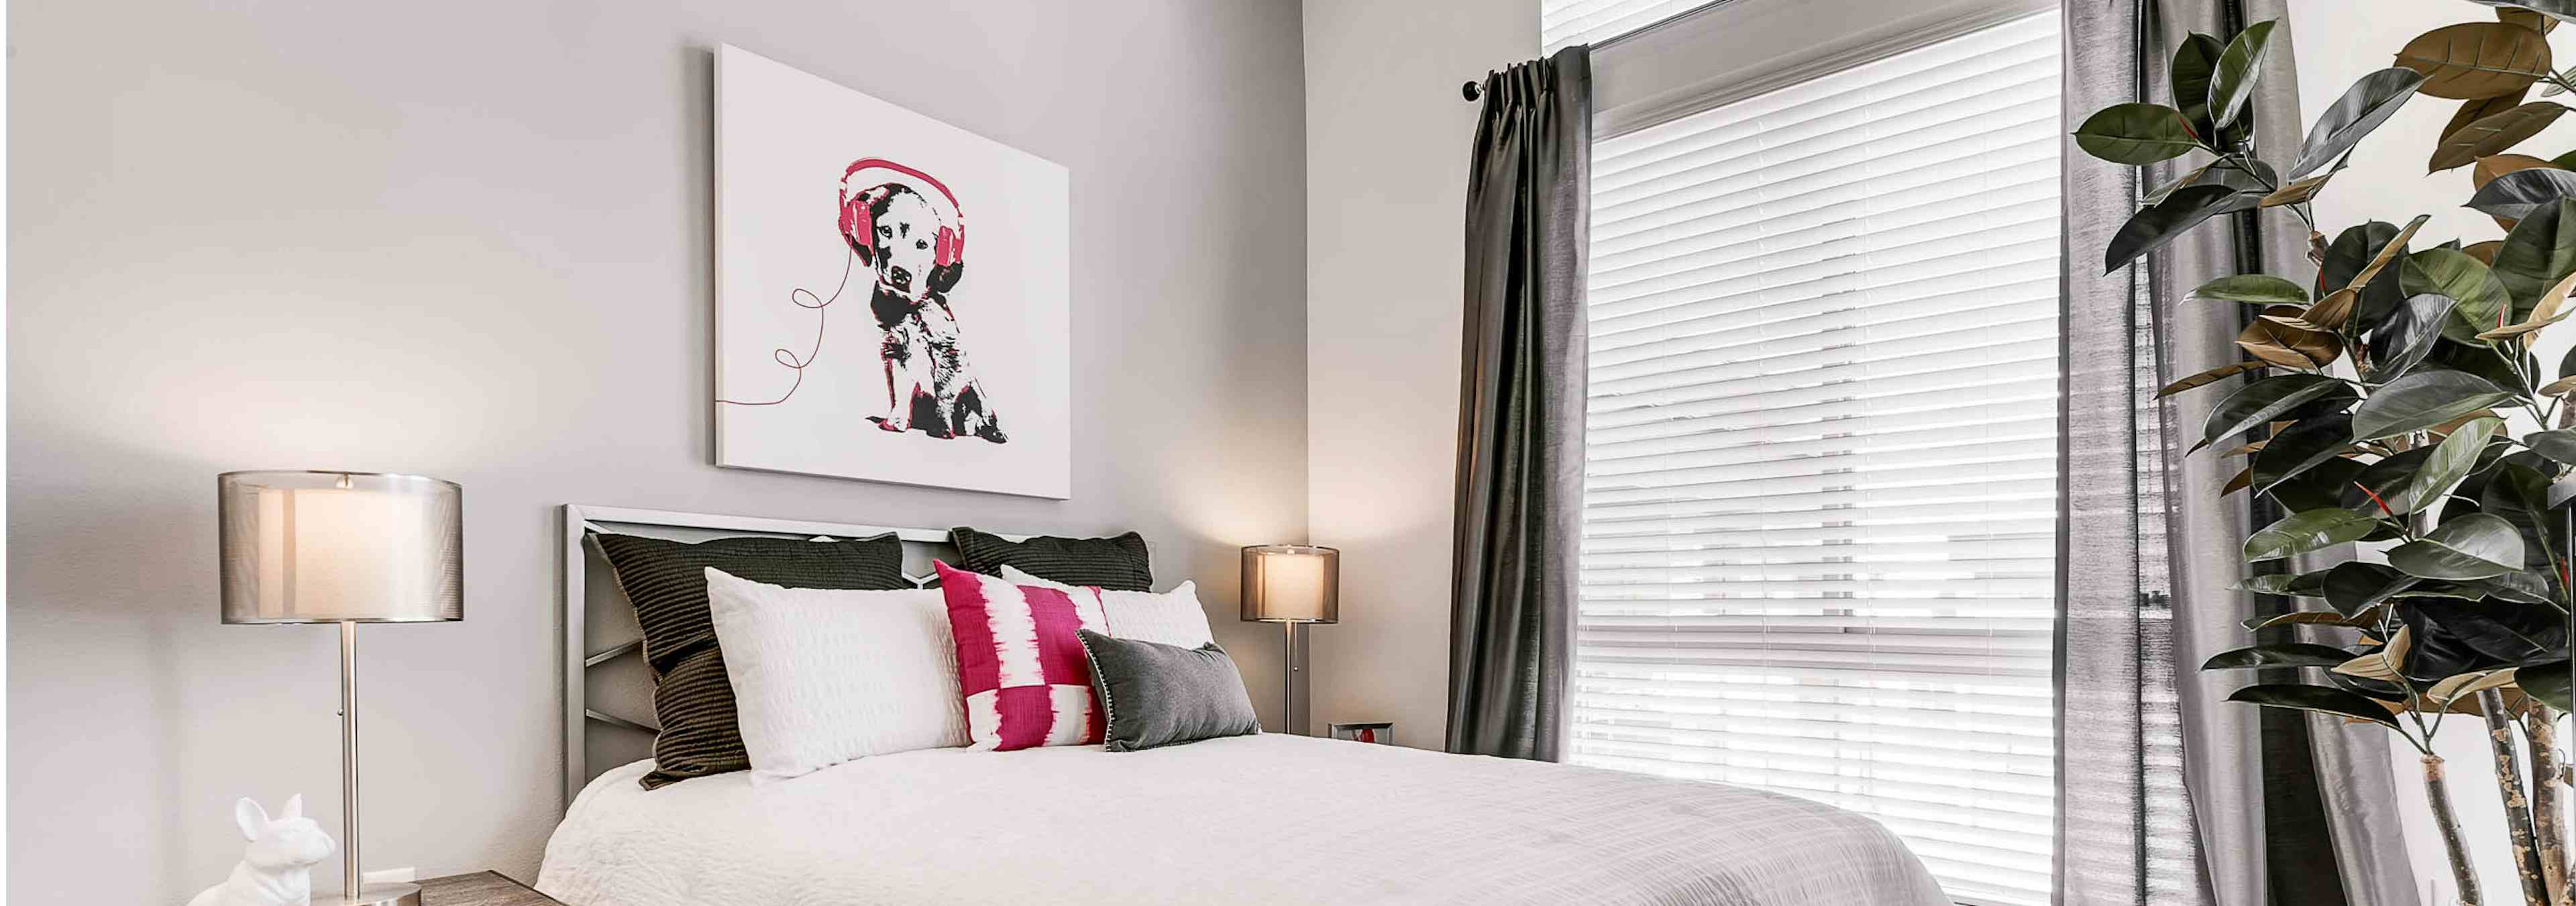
(471,240)
(1387,144)
(2337,42)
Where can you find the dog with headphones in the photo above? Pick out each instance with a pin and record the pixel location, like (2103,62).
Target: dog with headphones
(915,243)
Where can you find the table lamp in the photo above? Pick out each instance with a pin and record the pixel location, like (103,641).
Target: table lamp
(345,548)
(1293,585)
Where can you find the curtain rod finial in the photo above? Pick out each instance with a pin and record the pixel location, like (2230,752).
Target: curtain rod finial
(1469,90)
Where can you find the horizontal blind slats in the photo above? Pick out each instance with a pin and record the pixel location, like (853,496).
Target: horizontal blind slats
(1819,526)
(1564,23)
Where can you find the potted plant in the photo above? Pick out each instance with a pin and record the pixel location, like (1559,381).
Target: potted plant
(2394,401)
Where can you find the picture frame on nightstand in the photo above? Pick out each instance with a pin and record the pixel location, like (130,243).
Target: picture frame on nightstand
(1380,732)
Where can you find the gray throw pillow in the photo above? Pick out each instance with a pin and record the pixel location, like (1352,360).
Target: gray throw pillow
(1160,695)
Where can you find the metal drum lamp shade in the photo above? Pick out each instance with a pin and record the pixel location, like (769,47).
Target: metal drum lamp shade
(1293,584)
(331,547)
(343,548)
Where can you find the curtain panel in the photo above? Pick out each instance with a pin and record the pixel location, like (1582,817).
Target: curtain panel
(2168,794)
(1520,411)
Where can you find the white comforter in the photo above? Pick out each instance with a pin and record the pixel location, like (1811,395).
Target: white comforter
(1256,820)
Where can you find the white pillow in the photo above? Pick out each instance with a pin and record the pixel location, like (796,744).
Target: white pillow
(1170,617)
(822,676)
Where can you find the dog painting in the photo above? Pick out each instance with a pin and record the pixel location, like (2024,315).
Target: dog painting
(915,245)
(904,368)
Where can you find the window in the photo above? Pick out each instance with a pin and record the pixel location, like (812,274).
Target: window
(1819,526)
(1567,22)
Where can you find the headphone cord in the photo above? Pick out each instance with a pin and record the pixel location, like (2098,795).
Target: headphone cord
(787,357)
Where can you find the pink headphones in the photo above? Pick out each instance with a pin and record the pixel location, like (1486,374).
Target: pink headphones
(858,224)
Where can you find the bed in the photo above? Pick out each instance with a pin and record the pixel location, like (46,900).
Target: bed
(1259,819)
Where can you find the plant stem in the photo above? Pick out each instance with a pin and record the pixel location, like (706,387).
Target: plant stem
(2437,794)
(2549,834)
(2517,804)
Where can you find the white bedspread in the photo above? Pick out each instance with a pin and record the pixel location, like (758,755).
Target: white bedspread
(1256,820)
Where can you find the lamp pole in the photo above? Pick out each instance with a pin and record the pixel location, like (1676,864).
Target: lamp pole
(1298,698)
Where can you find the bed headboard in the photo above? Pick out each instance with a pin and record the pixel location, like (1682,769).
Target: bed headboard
(608,692)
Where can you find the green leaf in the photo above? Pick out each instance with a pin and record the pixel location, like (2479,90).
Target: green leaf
(2402,340)
(2301,447)
(2546,681)
(2310,618)
(2154,225)
(2195,176)
(2539,252)
(2316,488)
(2393,250)
(2518,494)
(2323,699)
(2275,583)
(2313,530)
(2258,289)
(2365,105)
(2295,654)
(2287,584)
(2422,400)
(2353,586)
(2479,296)
(2475,546)
(2193,64)
(2497,632)
(2521,588)
(2557,444)
(2513,195)
(2352,250)
(2136,134)
(2451,461)
(2231,86)
(2387,479)
(2260,401)
(2493,134)
(2489,363)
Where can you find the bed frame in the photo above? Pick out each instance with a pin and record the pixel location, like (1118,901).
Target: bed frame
(608,692)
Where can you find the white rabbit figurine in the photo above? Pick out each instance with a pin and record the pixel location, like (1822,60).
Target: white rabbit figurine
(277,868)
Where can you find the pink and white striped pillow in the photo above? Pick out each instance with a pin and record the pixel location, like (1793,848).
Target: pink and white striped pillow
(1020,663)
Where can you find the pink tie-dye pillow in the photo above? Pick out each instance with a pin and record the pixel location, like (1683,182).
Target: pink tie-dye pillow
(1020,663)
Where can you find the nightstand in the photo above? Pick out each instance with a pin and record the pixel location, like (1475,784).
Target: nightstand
(482,888)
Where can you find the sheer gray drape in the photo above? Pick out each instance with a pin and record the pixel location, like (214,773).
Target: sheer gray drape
(1520,411)
(2167,793)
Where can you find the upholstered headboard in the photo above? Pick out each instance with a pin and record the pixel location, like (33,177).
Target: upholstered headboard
(608,692)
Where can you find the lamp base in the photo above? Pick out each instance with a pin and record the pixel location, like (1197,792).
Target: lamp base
(376,895)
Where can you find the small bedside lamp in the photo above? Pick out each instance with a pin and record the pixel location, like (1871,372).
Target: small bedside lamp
(345,548)
(1293,585)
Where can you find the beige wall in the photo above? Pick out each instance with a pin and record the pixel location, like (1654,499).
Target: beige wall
(1387,142)
(471,240)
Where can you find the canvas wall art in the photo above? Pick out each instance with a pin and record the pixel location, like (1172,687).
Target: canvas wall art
(890,291)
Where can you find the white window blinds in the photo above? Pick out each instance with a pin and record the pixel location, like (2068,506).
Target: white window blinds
(1819,522)
(1566,22)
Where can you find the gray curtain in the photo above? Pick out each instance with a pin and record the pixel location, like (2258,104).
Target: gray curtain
(1520,411)
(2167,793)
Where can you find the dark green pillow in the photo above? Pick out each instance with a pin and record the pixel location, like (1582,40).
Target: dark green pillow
(1160,695)
(1117,563)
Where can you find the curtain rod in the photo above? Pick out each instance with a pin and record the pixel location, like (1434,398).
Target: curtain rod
(1474,89)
